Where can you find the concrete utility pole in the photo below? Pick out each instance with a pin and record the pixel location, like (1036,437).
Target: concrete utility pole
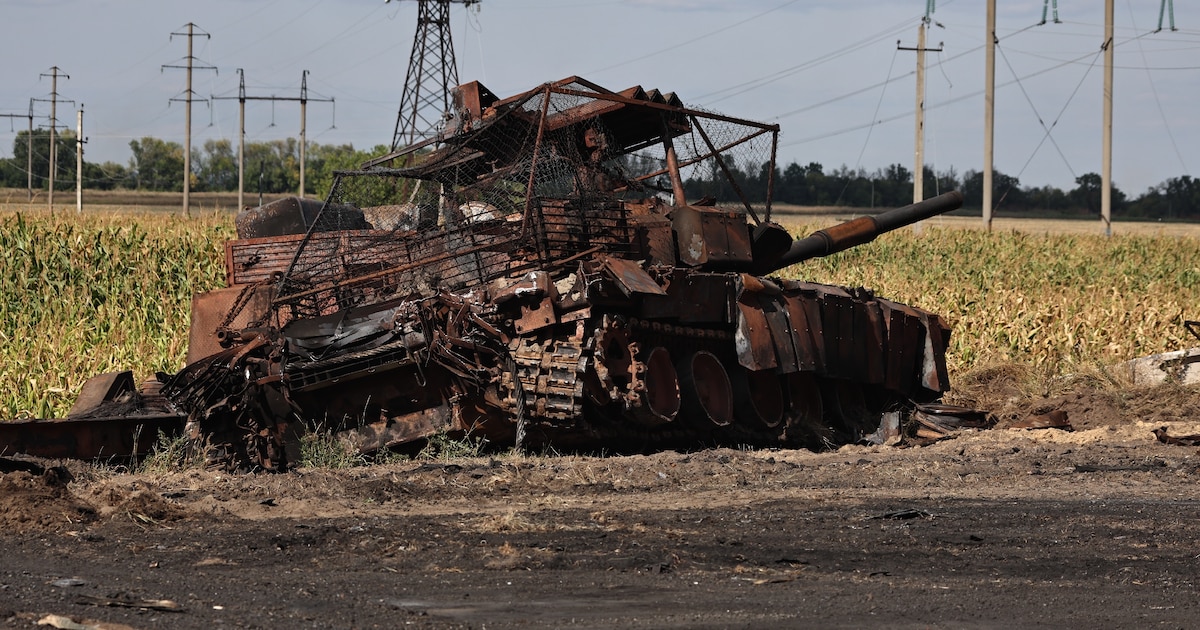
(28,147)
(989,112)
(1106,168)
(242,98)
(919,143)
(187,99)
(53,74)
(79,160)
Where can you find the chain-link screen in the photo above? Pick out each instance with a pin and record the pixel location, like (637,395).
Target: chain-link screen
(522,183)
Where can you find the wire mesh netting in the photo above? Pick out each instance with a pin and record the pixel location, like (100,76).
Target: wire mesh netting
(523,183)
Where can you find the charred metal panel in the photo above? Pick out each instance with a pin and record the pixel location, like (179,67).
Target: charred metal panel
(706,298)
(934,376)
(470,101)
(775,309)
(711,236)
(805,339)
(88,438)
(905,343)
(837,321)
(212,310)
(752,339)
(255,259)
(375,436)
(100,389)
(868,321)
(655,238)
(630,278)
(536,316)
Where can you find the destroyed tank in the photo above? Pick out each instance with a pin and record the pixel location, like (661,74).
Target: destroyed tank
(552,271)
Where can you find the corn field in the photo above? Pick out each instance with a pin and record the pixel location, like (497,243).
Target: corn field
(82,295)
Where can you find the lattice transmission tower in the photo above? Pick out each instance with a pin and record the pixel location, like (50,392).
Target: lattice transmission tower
(432,72)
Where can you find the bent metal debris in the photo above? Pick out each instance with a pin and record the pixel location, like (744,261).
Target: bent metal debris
(552,271)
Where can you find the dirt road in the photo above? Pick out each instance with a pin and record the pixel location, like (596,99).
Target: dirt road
(999,528)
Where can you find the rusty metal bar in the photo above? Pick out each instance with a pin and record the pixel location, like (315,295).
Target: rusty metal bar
(667,108)
(771,174)
(864,229)
(533,162)
(701,158)
(724,168)
(673,165)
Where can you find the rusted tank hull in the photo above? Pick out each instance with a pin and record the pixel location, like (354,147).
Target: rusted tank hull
(540,279)
(693,358)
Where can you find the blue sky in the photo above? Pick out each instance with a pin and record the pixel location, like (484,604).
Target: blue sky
(828,72)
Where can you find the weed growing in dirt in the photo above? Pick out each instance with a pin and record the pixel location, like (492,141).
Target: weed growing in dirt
(444,446)
(170,454)
(320,449)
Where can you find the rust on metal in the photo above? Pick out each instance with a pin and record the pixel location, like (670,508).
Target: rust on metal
(556,270)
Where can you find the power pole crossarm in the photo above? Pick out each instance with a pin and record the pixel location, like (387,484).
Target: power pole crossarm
(187,99)
(54,73)
(28,146)
(919,144)
(304,99)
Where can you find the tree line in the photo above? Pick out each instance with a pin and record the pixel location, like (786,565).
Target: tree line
(273,167)
(1177,198)
(157,165)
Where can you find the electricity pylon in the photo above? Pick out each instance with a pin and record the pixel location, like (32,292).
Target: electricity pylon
(432,72)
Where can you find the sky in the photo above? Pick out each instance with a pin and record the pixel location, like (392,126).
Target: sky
(830,73)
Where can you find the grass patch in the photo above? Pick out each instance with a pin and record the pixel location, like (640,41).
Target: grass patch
(444,446)
(170,454)
(321,449)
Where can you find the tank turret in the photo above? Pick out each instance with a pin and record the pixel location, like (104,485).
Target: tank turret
(555,270)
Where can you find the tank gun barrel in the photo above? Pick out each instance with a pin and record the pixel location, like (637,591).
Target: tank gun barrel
(864,229)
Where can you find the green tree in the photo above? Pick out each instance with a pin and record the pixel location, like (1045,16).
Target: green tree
(106,176)
(156,165)
(64,175)
(323,160)
(1006,191)
(1087,194)
(216,166)
(894,186)
(1175,198)
(273,166)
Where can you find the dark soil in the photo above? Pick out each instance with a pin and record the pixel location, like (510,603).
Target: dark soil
(999,528)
